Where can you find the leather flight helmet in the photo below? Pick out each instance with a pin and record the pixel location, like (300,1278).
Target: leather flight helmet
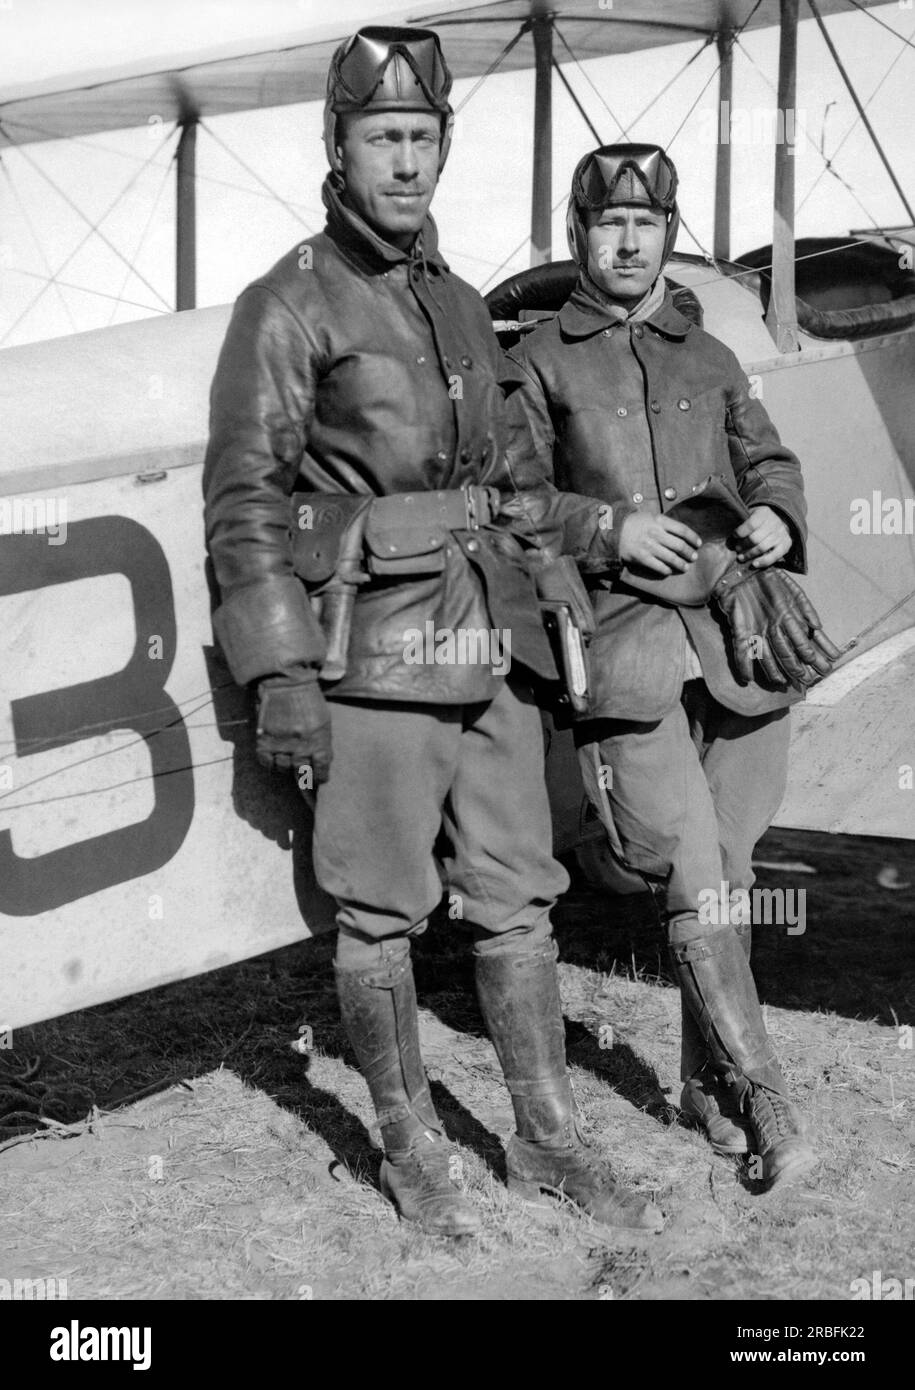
(382,68)
(615,174)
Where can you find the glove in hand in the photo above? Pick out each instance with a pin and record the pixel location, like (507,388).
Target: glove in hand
(293,723)
(772,621)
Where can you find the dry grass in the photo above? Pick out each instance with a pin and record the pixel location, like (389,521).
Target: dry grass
(250,1172)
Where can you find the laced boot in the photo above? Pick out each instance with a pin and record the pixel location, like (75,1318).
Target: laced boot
(779,1131)
(519,999)
(718,987)
(379,1012)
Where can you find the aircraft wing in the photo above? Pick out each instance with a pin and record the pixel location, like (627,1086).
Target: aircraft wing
(293,68)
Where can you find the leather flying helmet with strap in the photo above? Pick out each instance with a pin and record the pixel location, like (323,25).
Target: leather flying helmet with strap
(382,68)
(618,174)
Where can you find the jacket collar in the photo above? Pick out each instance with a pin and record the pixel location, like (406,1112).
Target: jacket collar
(583,315)
(361,244)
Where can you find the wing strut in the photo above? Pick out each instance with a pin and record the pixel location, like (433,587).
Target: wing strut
(186,215)
(542,188)
(721,245)
(781,315)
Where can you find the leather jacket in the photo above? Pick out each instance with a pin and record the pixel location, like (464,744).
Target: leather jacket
(635,414)
(354,367)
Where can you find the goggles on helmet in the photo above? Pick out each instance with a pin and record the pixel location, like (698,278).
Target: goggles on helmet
(389,68)
(625,174)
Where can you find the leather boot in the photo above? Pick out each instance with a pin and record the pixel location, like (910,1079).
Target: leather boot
(707,1100)
(718,987)
(379,1012)
(519,1000)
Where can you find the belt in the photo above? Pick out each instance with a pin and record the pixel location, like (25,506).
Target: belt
(459,509)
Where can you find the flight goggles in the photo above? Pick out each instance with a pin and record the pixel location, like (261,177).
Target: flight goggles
(387,68)
(625,174)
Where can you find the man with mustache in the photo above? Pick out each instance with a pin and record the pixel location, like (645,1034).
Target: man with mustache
(684,751)
(361,369)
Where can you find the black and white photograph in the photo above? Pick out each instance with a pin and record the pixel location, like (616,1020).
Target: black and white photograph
(457,644)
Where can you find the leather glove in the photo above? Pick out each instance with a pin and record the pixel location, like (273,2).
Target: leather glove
(771,620)
(293,723)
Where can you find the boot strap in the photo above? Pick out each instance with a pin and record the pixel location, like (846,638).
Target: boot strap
(703,947)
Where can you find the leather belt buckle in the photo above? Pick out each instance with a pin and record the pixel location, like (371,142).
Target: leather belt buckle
(478,504)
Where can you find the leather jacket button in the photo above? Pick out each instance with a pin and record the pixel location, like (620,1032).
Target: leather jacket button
(607,332)
(420,360)
(473,545)
(656,409)
(638,330)
(466,361)
(684,403)
(442,456)
(670,493)
(637,497)
(621,411)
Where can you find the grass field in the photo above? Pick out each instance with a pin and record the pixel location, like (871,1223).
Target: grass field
(174,1145)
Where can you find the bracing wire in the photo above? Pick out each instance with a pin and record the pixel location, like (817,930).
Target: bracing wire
(255,175)
(37,240)
(119,298)
(94,229)
(854,125)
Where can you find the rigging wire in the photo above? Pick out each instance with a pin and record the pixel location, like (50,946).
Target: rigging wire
(37,240)
(204,125)
(102,753)
(91,144)
(854,125)
(79,731)
(116,786)
(83,289)
(667,86)
(862,110)
(883,24)
(808,256)
(615,119)
(119,299)
(492,67)
(94,228)
(826,161)
(581,110)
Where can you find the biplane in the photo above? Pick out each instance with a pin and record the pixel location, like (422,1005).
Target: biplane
(140,842)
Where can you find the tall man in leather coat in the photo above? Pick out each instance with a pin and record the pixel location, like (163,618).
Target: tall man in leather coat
(359,368)
(684,752)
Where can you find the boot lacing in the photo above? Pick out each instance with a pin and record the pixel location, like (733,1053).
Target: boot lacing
(771,1114)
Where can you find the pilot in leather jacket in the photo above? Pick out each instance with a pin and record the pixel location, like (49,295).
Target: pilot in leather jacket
(360,369)
(633,405)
